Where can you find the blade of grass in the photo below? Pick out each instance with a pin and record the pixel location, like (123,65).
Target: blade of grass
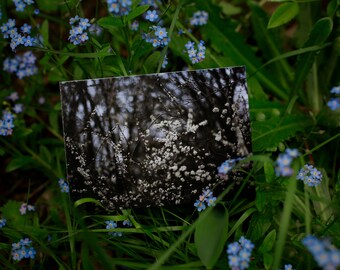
(284,221)
(171,29)
(321,145)
(159,262)
(77,55)
(294,53)
(240,221)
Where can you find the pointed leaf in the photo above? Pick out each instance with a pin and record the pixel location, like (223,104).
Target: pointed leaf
(261,199)
(269,171)
(151,62)
(137,11)
(269,133)
(110,23)
(19,162)
(44,29)
(283,14)
(268,243)
(268,40)
(211,235)
(317,36)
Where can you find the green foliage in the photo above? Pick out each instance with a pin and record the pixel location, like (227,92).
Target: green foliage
(266,248)
(270,133)
(283,14)
(291,52)
(11,211)
(318,35)
(210,236)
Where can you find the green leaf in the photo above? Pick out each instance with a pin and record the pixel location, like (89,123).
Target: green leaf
(331,8)
(18,162)
(222,34)
(211,235)
(241,220)
(45,154)
(151,62)
(85,256)
(10,211)
(137,11)
(86,200)
(44,30)
(283,14)
(53,118)
(261,199)
(268,243)
(269,171)
(269,133)
(255,89)
(110,23)
(317,37)
(268,260)
(269,42)
(49,5)
(107,52)
(229,9)
(259,224)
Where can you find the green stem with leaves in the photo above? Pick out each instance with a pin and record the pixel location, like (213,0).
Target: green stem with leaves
(171,30)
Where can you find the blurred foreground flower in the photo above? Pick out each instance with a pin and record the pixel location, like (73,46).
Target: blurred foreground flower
(26,207)
(2,222)
(199,18)
(119,7)
(22,65)
(334,102)
(324,253)
(283,162)
(228,165)
(288,267)
(20,5)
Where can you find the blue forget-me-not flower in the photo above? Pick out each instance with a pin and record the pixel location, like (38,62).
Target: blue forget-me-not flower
(22,65)
(196,55)
(79,30)
(310,175)
(151,15)
(199,18)
(205,199)
(239,254)
(6,123)
(23,250)
(158,37)
(64,187)
(3,222)
(288,267)
(324,253)
(119,7)
(284,161)
(334,102)
(227,165)
(110,224)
